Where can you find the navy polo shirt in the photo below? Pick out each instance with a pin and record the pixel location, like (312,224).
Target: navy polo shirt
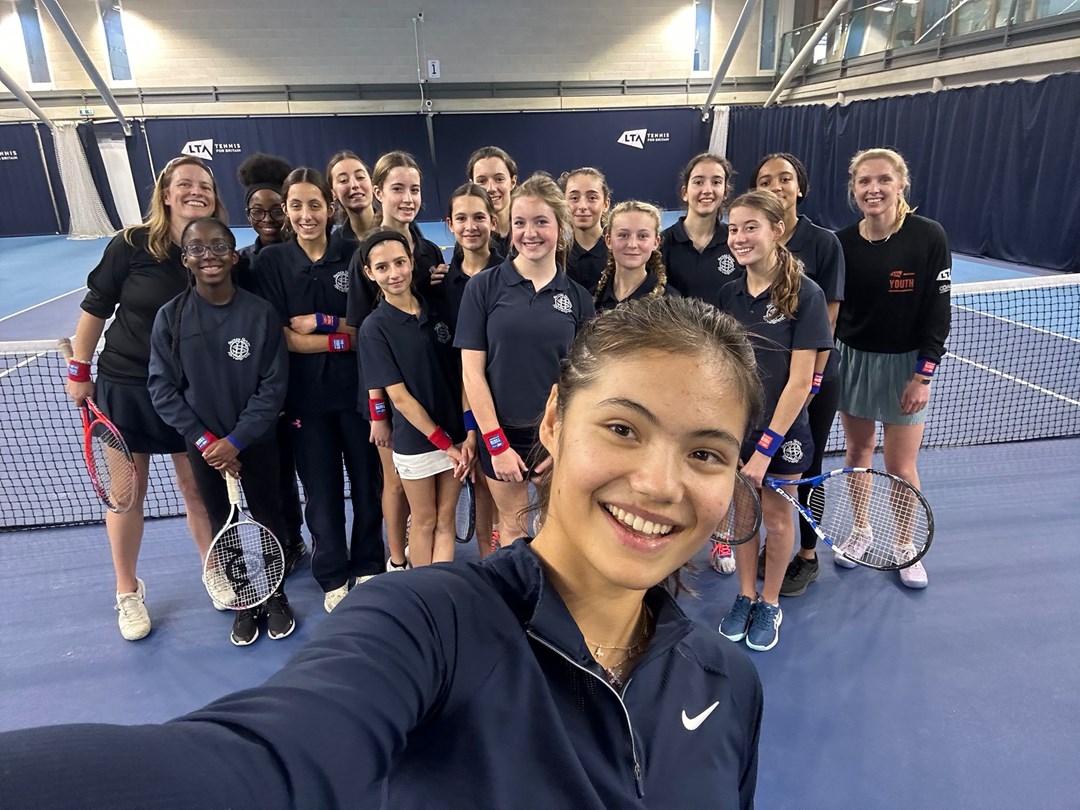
(426,254)
(585,266)
(502,244)
(294,285)
(397,347)
(775,336)
(823,260)
(697,274)
(609,301)
(451,290)
(525,332)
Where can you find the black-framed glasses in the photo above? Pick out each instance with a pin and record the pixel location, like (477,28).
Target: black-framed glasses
(219,247)
(277,214)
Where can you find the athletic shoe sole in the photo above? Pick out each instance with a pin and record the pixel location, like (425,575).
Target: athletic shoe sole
(282,635)
(239,642)
(776,635)
(844,562)
(801,590)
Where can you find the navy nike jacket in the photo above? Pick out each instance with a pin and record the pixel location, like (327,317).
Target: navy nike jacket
(463,685)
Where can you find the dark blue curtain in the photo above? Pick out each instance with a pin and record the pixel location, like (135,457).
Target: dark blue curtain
(25,205)
(224,143)
(995,165)
(641,152)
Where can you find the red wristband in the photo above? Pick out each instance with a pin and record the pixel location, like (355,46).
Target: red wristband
(78,371)
(378,410)
(338,342)
(815,386)
(441,439)
(205,441)
(496,442)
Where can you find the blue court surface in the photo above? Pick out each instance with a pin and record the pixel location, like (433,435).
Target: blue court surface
(959,696)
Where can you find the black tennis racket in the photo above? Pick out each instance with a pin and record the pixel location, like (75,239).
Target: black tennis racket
(743,517)
(465,515)
(872,518)
(245,564)
(108,460)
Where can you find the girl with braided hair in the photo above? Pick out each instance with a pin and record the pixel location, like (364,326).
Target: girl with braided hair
(785,314)
(634,267)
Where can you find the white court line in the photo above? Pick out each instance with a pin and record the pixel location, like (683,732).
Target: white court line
(1017,323)
(43,303)
(25,362)
(1017,380)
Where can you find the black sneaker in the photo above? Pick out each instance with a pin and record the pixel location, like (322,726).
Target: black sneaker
(800,573)
(761,564)
(245,628)
(294,554)
(279,616)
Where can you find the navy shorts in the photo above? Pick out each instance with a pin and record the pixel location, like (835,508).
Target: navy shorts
(795,453)
(522,440)
(129,407)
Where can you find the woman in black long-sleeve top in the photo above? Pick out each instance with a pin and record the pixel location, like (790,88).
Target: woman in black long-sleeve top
(218,375)
(140,271)
(892,326)
(307,281)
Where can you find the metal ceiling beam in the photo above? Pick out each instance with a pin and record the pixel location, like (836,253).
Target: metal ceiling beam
(804,54)
(729,55)
(62,22)
(24,97)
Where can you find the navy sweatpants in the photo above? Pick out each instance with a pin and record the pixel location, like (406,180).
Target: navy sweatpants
(321,442)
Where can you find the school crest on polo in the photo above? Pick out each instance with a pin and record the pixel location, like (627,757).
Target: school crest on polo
(563,303)
(239,349)
(791,451)
(725,264)
(341,281)
(772,315)
(442,332)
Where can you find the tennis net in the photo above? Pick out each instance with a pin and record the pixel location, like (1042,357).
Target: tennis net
(1010,375)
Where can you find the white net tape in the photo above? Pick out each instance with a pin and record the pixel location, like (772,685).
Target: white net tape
(88,217)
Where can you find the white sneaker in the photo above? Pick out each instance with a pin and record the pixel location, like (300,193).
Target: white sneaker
(854,547)
(134,621)
(722,560)
(363,579)
(914,576)
(391,567)
(332,598)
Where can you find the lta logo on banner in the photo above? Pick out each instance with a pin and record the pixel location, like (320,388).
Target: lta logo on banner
(637,138)
(205,148)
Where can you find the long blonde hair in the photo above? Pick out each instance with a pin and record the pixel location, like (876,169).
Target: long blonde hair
(541,187)
(158,219)
(655,265)
(784,291)
(896,160)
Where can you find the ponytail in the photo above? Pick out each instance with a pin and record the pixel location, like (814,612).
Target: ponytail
(606,276)
(784,292)
(655,266)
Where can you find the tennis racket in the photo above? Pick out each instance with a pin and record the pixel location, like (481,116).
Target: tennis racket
(872,518)
(245,564)
(465,516)
(743,517)
(108,460)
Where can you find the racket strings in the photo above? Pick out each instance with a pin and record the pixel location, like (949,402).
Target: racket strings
(873,518)
(743,517)
(245,565)
(111,468)
(465,514)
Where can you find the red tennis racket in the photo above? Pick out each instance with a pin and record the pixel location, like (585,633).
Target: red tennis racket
(108,460)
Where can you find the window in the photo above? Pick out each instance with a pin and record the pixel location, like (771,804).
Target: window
(770,13)
(112,21)
(36,60)
(702,34)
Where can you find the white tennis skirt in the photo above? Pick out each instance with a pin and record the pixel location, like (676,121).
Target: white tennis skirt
(422,465)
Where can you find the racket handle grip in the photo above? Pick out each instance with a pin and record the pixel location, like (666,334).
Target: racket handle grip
(233,486)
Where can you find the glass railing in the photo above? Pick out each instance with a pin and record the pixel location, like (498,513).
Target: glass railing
(895,24)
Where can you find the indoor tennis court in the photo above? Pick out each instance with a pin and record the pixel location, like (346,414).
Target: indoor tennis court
(957,696)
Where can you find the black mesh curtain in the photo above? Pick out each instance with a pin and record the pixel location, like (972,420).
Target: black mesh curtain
(997,165)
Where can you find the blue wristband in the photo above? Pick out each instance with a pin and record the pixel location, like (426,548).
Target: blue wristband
(769,442)
(234,442)
(326,323)
(470,421)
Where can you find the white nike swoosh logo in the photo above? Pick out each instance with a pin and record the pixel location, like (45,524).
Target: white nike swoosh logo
(691,723)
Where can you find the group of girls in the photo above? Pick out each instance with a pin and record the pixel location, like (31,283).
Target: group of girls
(414,373)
